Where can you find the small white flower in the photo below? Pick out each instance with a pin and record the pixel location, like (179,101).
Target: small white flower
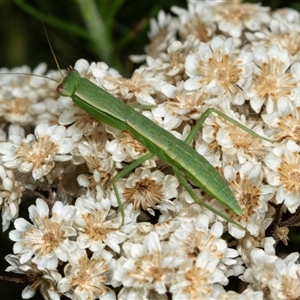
(44,280)
(218,70)
(145,267)
(285,284)
(11,191)
(234,17)
(162,33)
(284,162)
(274,77)
(37,153)
(46,241)
(148,191)
(195,235)
(196,21)
(285,120)
(88,278)
(94,230)
(280,32)
(196,280)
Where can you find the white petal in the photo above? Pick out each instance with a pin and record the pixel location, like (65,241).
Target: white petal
(272,161)
(25,257)
(192,84)
(228,46)
(81,66)
(169,90)
(137,250)
(152,242)
(191,63)
(292,202)
(41,129)
(284,106)
(204,52)
(281,194)
(292,146)
(22,225)
(28,292)
(273,178)
(7,184)
(260,55)
(256,104)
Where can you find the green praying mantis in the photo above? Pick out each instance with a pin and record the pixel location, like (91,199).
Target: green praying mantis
(183,159)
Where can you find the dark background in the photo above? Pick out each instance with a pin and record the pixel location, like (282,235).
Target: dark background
(23,42)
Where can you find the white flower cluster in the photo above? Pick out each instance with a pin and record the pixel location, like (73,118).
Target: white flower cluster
(239,58)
